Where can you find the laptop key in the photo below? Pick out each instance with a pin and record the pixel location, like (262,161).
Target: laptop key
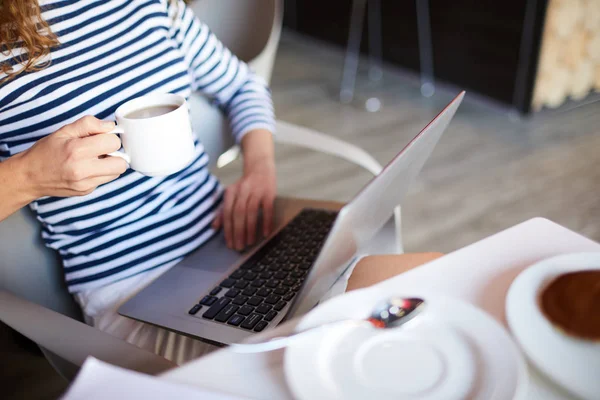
(291,251)
(289,282)
(258,283)
(237,274)
(227,283)
(270,315)
(280,275)
(272,299)
(245,310)
(216,308)
(241,284)
(239,300)
(298,274)
(259,268)
(226,313)
(195,309)
(208,300)
(265,275)
(288,296)
(235,320)
(216,290)
(260,326)
(263,309)
(303,252)
(232,293)
(279,306)
(249,291)
(264,292)
(254,301)
(280,290)
(251,321)
(272,283)
(250,276)
(287,267)
(274,267)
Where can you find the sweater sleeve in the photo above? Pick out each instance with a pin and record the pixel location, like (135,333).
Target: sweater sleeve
(219,74)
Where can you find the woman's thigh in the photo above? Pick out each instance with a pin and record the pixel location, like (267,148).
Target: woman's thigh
(374,269)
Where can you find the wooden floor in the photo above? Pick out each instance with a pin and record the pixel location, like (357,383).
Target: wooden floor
(491,170)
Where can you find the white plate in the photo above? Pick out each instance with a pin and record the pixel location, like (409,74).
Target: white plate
(572,363)
(452,351)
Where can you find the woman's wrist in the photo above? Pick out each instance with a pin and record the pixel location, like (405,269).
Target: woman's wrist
(23,177)
(258,150)
(15,188)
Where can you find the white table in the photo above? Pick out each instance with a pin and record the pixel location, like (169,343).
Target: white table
(480,274)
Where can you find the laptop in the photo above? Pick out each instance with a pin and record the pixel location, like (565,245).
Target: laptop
(220,296)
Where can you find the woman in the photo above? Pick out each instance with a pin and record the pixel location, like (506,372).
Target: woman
(66,67)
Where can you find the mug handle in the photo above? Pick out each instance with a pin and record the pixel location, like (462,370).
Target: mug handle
(119,153)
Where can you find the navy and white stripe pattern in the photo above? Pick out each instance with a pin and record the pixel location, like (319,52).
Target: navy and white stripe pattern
(111,52)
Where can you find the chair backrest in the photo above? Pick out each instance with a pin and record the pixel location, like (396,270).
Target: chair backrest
(251,28)
(29,269)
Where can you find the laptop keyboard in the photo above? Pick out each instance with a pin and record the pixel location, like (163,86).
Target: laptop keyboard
(252,296)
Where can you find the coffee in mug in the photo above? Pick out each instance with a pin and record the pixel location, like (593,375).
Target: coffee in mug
(156,133)
(149,112)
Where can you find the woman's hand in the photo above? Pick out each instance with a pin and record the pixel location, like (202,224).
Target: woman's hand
(253,192)
(69,162)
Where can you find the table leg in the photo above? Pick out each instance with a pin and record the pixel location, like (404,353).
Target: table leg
(352,51)
(425,48)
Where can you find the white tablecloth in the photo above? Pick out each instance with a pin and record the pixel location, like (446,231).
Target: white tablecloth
(480,274)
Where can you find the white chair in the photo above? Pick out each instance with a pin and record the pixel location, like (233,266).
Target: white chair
(33,297)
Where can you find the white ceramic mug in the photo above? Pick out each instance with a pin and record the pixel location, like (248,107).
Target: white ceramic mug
(155,146)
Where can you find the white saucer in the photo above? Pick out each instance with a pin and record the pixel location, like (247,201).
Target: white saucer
(572,363)
(451,351)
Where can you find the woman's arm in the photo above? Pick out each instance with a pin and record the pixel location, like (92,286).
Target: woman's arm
(246,100)
(14,189)
(217,73)
(65,163)
(256,190)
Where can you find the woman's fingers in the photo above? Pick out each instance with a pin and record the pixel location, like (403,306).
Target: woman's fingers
(240,213)
(107,166)
(239,217)
(228,203)
(86,126)
(268,201)
(252,218)
(218,221)
(100,144)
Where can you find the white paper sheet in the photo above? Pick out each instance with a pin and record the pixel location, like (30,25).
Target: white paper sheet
(98,380)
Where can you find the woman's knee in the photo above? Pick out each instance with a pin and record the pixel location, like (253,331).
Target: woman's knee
(374,269)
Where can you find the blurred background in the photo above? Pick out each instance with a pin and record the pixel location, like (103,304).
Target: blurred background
(525,142)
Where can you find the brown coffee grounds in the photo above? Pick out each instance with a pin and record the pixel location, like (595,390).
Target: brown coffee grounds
(572,303)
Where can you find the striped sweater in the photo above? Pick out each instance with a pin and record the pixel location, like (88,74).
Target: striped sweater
(111,52)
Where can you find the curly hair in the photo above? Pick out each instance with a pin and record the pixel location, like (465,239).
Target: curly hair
(23,29)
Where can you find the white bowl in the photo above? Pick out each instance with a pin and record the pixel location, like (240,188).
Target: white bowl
(572,363)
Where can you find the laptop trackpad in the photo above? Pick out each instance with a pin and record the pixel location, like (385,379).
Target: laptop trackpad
(213,256)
